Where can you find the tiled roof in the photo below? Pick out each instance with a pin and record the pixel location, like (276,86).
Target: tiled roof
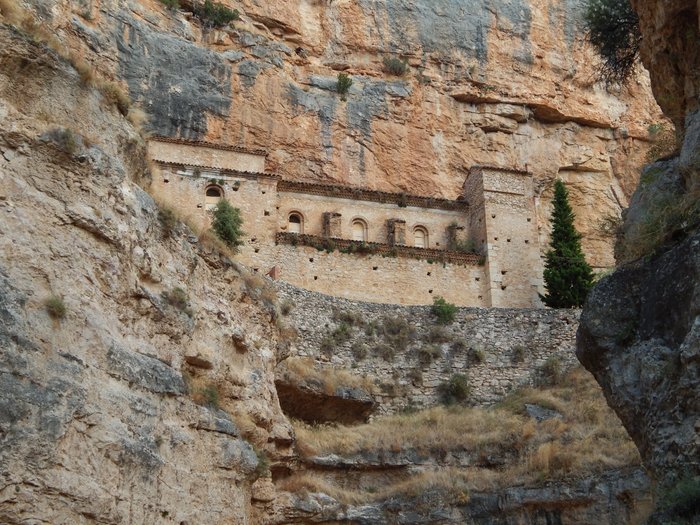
(206,144)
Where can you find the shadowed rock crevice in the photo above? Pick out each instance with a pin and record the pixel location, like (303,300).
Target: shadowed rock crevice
(308,401)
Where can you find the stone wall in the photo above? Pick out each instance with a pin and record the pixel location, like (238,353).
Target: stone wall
(375,215)
(377,278)
(504,201)
(497,349)
(208,155)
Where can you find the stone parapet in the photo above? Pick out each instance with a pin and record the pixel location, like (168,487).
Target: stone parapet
(360,247)
(363,194)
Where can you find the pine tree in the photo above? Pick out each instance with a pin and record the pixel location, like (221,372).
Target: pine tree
(567,275)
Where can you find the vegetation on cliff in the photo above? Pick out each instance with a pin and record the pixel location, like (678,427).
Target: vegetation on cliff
(567,275)
(613,29)
(227,224)
(577,435)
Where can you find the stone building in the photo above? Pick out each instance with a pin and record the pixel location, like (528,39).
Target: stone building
(479,250)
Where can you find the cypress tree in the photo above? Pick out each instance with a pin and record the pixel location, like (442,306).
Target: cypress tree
(567,275)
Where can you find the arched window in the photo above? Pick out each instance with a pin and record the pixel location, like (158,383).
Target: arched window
(359,230)
(212,197)
(420,237)
(295,223)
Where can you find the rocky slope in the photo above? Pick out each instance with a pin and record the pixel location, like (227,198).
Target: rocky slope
(638,331)
(97,402)
(508,83)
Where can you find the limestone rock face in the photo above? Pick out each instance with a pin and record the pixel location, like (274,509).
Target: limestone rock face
(507,83)
(97,405)
(638,332)
(671,54)
(639,337)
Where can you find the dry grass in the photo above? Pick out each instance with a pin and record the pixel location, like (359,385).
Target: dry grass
(663,222)
(306,369)
(138,118)
(433,429)
(24,20)
(587,439)
(453,483)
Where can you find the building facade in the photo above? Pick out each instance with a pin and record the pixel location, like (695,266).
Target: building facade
(479,250)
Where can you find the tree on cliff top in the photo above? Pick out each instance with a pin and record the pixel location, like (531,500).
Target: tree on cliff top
(227,224)
(612,28)
(567,275)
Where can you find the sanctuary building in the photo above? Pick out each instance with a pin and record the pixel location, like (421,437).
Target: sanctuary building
(479,250)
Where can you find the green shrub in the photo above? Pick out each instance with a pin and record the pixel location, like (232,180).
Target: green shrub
(341,334)
(227,224)
(168,220)
(359,351)
(343,85)
(385,351)
(438,334)
(519,354)
(444,311)
(173,5)
(416,376)
(395,66)
(263,468)
(476,355)
(428,353)
(397,333)
(465,246)
(612,28)
(327,345)
(178,298)
(286,307)
(663,141)
(210,396)
(553,370)
(55,307)
(454,391)
(348,317)
(682,501)
(64,139)
(214,14)
(459,346)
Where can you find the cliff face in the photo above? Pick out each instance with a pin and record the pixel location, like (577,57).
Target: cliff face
(638,332)
(670,52)
(97,403)
(506,83)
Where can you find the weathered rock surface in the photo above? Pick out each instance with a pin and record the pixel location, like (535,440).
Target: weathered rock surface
(670,52)
(639,337)
(504,82)
(617,497)
(639,328)
(312,401)
(97,420)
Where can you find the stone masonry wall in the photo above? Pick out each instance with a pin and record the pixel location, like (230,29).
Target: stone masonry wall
(374,278)
(199,154)
(398,280)
(497,349)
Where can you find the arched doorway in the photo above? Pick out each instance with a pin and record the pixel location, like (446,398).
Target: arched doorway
(295,223)
(420,237)
(212,196)
(359,230)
